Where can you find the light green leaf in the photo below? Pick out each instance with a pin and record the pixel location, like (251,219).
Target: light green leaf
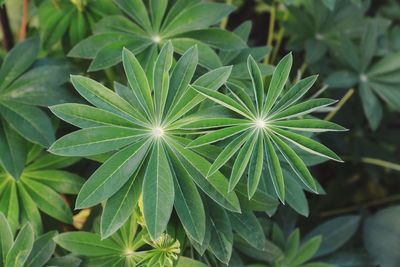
(295,163)
(84,116)
(120,206)
(274,169)
(96,140)
(309,125)
(307,144)
(188,204)
(217,135)
(21,248)
(255,166)
(6,238)
(257,82)
(137,80)
(42,250)
(103,98)
(242,161)
(158,192)
(112,175)
(48,200)
(161,78)
(87,244)
(278,81)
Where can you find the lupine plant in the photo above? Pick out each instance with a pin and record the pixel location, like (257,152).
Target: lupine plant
(195,133)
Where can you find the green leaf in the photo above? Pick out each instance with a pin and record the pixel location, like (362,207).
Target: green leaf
(215,186)
(248,227)
(9,204)
(137,80)
(335,233)
(303,108)
(103,98)
(87,244)
(19,252)
(96,140)
(387,64)
(18,60)
(380,236)
(13,151)
(188,204)
(6,238)
(217,135)
(307,144)
(227,153)
(112,175)
(208,58)
(48,200)
(255,166)
(158,192)
(120,206)
(309,125)
(30,122)
(278,81)
(181,76)
(197,17)
(274,169)
(372,107)
(42,250)
(294,195)
(223,100)
(307,250)
(84,116)
(185,261)
(221,234)
(295,93)
(257,82)
(161,78)
(135,9)
(61,181)
(157,11)
(242,161)
(295,162)
(29,209)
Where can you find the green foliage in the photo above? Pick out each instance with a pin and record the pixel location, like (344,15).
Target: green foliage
(37,186)
(23,249)
(70,20)
(146,128)
(200,149)
(129,246)
(143,31)
(25,84)
(263,129)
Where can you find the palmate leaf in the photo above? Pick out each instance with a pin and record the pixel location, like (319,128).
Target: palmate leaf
(38,188)
(143,124)
(265,129)
(147,27)
(26,82)
(23,249)
(70,21)
(130,244)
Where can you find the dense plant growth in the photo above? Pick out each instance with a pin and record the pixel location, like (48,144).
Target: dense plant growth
(178,133)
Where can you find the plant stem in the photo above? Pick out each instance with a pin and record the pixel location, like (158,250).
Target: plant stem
(224,21)
(24,21)
(353,208)
(272,15)
(341,103)
(279,39)
(8,39)
(381,163)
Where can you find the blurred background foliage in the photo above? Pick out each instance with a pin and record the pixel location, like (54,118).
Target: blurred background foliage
(354,46)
